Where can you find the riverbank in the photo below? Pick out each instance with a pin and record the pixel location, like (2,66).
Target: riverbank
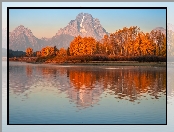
(91,63)
(156,64)
(109,63)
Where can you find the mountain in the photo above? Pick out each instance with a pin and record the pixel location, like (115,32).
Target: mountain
(84,25)
(60,41)
(163,30)
(4,37)
(21,38)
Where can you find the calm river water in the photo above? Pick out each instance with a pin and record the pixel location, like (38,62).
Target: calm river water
(52,94)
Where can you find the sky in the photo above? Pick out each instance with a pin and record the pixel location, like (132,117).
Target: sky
(47,22)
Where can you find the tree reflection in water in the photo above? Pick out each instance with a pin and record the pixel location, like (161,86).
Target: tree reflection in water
(85,86)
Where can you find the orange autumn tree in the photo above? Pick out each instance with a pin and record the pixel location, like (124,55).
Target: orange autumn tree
(62,52)
(82,46)
(29,51)
(47,51)
(106,45)
(129,43)
(131,35)
(38,53)
(133,42)
(99,48)
(144,45)
(123,41)
(149,45)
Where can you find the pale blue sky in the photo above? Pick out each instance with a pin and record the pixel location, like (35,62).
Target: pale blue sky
(46,22)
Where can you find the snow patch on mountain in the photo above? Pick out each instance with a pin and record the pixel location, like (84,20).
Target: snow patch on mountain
(82,27)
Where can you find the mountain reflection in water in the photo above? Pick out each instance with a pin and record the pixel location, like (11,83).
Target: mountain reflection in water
(86,85)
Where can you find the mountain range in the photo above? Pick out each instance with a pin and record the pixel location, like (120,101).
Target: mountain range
(84,25)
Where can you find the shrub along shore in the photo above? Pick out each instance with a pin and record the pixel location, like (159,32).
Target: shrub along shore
(96,60)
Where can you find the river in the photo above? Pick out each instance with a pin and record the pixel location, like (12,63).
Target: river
(53,94)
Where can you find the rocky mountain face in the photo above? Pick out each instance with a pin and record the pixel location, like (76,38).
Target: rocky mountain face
(84,25)
(22,38)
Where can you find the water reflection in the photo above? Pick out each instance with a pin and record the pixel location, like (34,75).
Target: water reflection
(86,86)
(124,83)
(29,70)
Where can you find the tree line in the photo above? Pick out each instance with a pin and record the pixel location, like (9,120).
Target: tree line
(124,44)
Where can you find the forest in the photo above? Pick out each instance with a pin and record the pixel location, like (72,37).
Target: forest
(16,53)
(127,44)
